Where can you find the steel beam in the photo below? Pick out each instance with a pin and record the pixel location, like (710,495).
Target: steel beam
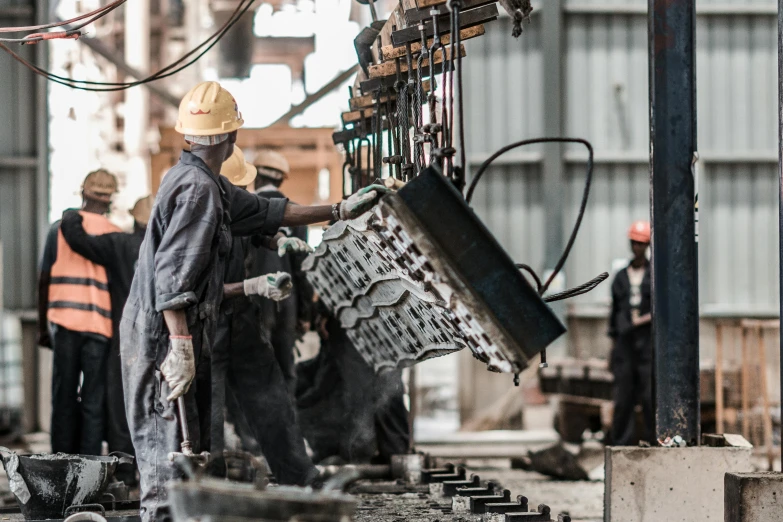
(780,178)
(554,164)
(672,196)
(313,98)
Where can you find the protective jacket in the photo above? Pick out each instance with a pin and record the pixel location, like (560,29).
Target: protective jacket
(631,362)
(118,254)
(181,267)
(280,320)
(79,298)
(247,379)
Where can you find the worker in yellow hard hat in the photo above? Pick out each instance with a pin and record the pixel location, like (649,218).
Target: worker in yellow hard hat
(284,322)
(245,376)
(74,319)
(170,318)
(117,253)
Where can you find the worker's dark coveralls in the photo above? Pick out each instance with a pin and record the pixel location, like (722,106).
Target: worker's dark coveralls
(244,367)
(346,409)
(181,267)
(280,320)
(631,362)
(118,253)
(79,316)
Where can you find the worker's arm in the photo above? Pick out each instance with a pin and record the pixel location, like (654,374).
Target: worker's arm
(253,214)
(356,205)
(44,280)
(184,253)
(102,249)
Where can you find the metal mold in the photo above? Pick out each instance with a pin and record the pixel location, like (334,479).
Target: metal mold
(409,285)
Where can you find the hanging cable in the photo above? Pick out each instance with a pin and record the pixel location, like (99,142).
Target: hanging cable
(70,33)
(105,9)
(588,180)
(578,290)
(165,72)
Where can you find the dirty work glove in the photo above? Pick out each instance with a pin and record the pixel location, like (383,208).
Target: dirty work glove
(179,367)
(292,244)
(361,201)
(275,286)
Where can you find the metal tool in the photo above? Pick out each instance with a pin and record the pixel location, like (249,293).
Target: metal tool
(201,459)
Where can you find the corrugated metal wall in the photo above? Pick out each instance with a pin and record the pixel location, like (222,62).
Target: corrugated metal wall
(605,99)
(23,178)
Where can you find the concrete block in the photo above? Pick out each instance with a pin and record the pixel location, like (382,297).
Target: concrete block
(753,497)
(669,484)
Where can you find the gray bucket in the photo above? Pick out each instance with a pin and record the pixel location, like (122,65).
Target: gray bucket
(45,485)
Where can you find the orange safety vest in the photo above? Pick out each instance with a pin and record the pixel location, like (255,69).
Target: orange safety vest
(78,290)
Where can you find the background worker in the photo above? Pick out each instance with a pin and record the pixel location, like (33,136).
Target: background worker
(630,329)
(118,253)
(244,365)
(74,319)
(347,411)
(169,322)
(288,320)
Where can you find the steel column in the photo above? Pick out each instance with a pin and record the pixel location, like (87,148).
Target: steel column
(672,197)
(552,31)
(780,180)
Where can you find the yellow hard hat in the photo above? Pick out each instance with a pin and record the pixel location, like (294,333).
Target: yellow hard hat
(239,172)
(273,164)
(208,110)
(141,211)
(100,184)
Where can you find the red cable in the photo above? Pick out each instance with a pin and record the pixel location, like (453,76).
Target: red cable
(59,35)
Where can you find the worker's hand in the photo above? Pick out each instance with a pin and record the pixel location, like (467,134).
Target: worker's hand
(276,287)
(179,367)
(361,201)
(641,320)
(293,245)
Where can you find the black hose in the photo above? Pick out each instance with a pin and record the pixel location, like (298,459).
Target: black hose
(588,180)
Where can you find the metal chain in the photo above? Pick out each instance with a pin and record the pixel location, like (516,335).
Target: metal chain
(418,135)
(378,141)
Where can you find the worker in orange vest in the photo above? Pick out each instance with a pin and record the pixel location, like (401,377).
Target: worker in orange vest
(74,318)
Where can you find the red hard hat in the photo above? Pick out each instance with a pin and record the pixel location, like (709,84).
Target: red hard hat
(640,232)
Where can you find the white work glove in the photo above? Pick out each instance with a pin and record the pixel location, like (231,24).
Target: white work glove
(275,286)
(179,367)
(361,201)
(293,245)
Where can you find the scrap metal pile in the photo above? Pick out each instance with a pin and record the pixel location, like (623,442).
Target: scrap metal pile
(421,276)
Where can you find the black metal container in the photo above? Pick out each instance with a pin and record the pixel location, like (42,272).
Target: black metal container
(58,481)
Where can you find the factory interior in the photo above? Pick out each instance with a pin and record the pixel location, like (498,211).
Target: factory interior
(391,260)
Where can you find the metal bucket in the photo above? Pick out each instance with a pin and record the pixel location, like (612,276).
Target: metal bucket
(45,485)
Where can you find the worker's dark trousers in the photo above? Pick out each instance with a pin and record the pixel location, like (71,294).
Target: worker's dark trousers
(376,418)
(254,379)
(77,411)
(153,420)
(117,432)
(631,365)
(283,339)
